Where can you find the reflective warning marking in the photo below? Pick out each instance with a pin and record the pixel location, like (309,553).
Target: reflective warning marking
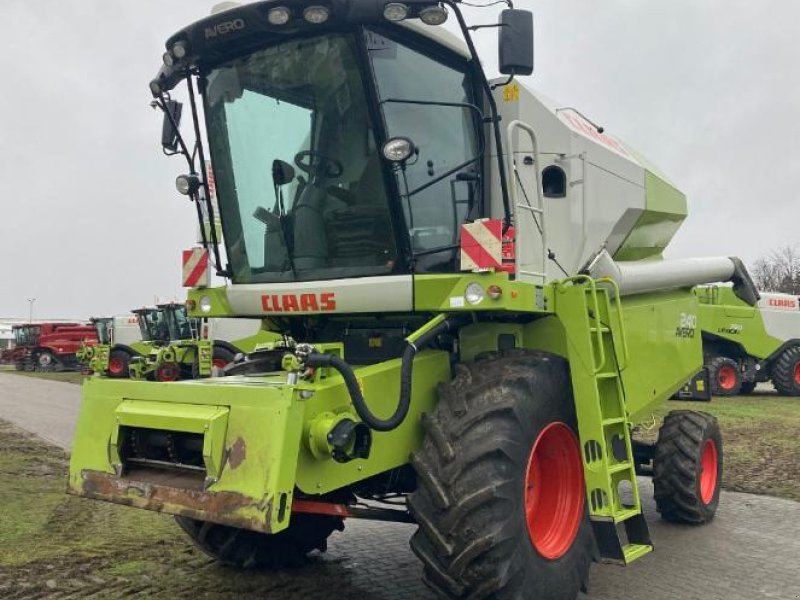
(481,245)
(195,268)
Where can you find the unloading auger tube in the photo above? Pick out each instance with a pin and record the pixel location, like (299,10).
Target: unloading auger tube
(316,359)
(645,276)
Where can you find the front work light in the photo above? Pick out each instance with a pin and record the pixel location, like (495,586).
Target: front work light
(398,150)
(205,304)
(180,50)
(168,59)
(395,11)
(433,15)
(187,184)
(474,294)
(279,15)
(316,14)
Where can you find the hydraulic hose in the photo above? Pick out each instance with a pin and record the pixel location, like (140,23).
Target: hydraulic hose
(318,359)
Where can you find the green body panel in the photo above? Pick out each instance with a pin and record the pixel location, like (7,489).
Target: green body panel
(723,315)
(665,211)
(96,357)
(276,426)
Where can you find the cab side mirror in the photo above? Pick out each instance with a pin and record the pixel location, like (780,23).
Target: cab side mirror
(169,132)
(516,42)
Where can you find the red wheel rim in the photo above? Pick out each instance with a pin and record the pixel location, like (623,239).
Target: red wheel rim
(168,373)
(116,366)
(797,373)
(726,377)
(708,472)
(220,363)
(554,491)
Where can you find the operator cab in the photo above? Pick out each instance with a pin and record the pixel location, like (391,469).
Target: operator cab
(179,325)
(152,325)
(344,144)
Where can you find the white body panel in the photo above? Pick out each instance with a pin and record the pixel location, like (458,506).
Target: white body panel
(781,315)
(605,184)
(126,330)
(231,330)
(366,294)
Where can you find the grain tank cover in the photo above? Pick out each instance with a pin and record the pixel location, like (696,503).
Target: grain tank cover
(597,189)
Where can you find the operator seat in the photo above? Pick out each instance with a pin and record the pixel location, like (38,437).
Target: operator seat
(360,233)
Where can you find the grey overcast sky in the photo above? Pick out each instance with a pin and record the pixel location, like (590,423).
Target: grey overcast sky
(90,223)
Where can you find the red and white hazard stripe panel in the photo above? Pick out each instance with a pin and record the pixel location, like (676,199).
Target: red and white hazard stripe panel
(482,245)
(195,268)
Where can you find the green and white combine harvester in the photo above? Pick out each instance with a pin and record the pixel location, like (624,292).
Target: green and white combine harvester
(471,308)
(168,345)
(121,338)
(744,345)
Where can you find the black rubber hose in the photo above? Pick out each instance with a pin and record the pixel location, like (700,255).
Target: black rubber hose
(318,359)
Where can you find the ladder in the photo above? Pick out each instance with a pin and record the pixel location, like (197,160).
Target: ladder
(597,350)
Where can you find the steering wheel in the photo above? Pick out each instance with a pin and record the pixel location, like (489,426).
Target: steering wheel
(317,165)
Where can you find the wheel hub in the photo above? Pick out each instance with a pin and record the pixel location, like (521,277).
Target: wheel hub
(797,373)
(116,366)
(708,471)
(726,377)
(554,491)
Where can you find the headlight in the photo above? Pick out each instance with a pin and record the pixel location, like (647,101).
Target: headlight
(205,304)
(398,149)
(279,15)
(180,50)
(316,14)
(474,293)
(395,11)
(168,59)
(187,184)
(433,15)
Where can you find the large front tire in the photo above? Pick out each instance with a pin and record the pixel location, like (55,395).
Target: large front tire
(118,363)
(245,549)
(687,468)
(500,501)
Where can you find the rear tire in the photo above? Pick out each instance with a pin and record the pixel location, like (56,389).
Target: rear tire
(478,468)
(786,372)
(726,380)
(118,362)
(687,468)
(245,549)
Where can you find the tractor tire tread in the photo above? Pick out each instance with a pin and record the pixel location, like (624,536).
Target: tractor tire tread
(466,470)
(676,466)
(783,371)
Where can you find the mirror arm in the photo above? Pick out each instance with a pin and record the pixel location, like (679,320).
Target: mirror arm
(204,178)
(498,136)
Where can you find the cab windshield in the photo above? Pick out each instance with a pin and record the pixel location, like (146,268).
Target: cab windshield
(180,326)
(26,336)
(304,193)
(298,174)
(153,326)
(103,328)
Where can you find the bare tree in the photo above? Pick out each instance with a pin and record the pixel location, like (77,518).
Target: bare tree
(779,271)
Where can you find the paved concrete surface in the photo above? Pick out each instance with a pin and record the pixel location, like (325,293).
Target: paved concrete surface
(750,551)
(47,408)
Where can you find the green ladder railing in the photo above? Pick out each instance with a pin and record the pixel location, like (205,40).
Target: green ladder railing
(598,351)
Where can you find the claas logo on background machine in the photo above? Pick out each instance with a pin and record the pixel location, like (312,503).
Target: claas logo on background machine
(275,303)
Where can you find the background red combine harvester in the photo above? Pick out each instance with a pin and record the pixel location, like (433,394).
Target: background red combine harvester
(49,346)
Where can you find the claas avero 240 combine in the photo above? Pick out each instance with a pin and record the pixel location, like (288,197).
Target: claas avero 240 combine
(744,345)
(370,180)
